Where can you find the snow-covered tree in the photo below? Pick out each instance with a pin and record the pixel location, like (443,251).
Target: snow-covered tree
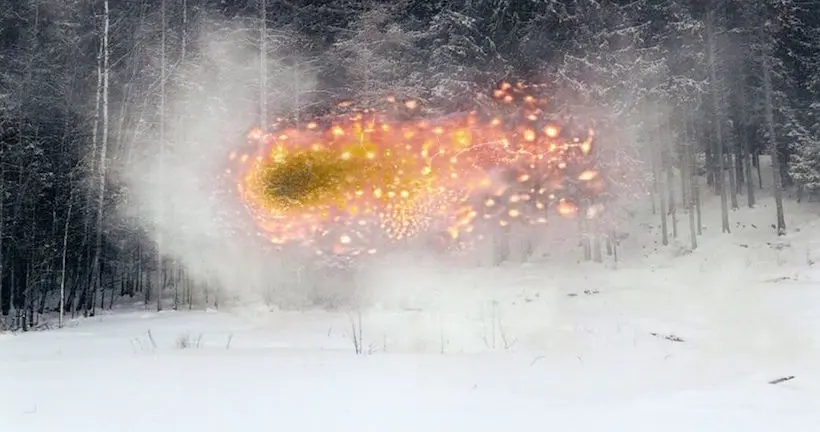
(805,164)
(379,57)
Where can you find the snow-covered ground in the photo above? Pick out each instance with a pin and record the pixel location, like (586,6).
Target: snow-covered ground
(668,341)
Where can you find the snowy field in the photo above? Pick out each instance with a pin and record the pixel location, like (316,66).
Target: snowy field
(668,341)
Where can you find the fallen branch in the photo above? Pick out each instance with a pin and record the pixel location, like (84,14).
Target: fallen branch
(670,337)
(782,380)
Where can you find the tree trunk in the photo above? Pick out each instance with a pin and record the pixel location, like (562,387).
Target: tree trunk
(710,164)
(3,309)
(733,162)
(747,163)
(65,251)
(596,242)
(657,170)
(739,157)
(670,180)
(101,172)
(694,208)
(161,185)
(88,271)
(721,171)
(756,161)
(263,68)
(583,231)
(776,177)
(733,179)
(684,168)
(745,145)
(689,177)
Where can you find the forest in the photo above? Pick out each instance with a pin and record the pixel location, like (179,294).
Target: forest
(108,107)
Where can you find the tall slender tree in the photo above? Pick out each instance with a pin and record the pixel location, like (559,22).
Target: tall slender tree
(720,182)
(160,268)
(101,167)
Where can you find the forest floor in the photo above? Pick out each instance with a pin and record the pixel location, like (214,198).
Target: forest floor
(725,338)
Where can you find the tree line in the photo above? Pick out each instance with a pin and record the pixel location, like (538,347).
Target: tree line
(680,91)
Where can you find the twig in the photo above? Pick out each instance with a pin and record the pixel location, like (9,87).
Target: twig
(670,337)
(782,380)
(356,334)
(151,338)
(228,344)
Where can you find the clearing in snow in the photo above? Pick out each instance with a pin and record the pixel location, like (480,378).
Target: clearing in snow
(723,339)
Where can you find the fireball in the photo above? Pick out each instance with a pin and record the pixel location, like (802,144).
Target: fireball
(353,183)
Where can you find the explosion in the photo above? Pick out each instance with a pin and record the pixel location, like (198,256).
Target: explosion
(350,183)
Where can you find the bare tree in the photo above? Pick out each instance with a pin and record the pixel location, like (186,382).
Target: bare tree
(101,171)
(160,283)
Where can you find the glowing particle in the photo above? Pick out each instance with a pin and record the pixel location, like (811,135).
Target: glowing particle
(255,134)
(529,135)
(588,175)
(566,208)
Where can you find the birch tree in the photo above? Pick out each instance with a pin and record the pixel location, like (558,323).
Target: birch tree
(101,167)
(160,222)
